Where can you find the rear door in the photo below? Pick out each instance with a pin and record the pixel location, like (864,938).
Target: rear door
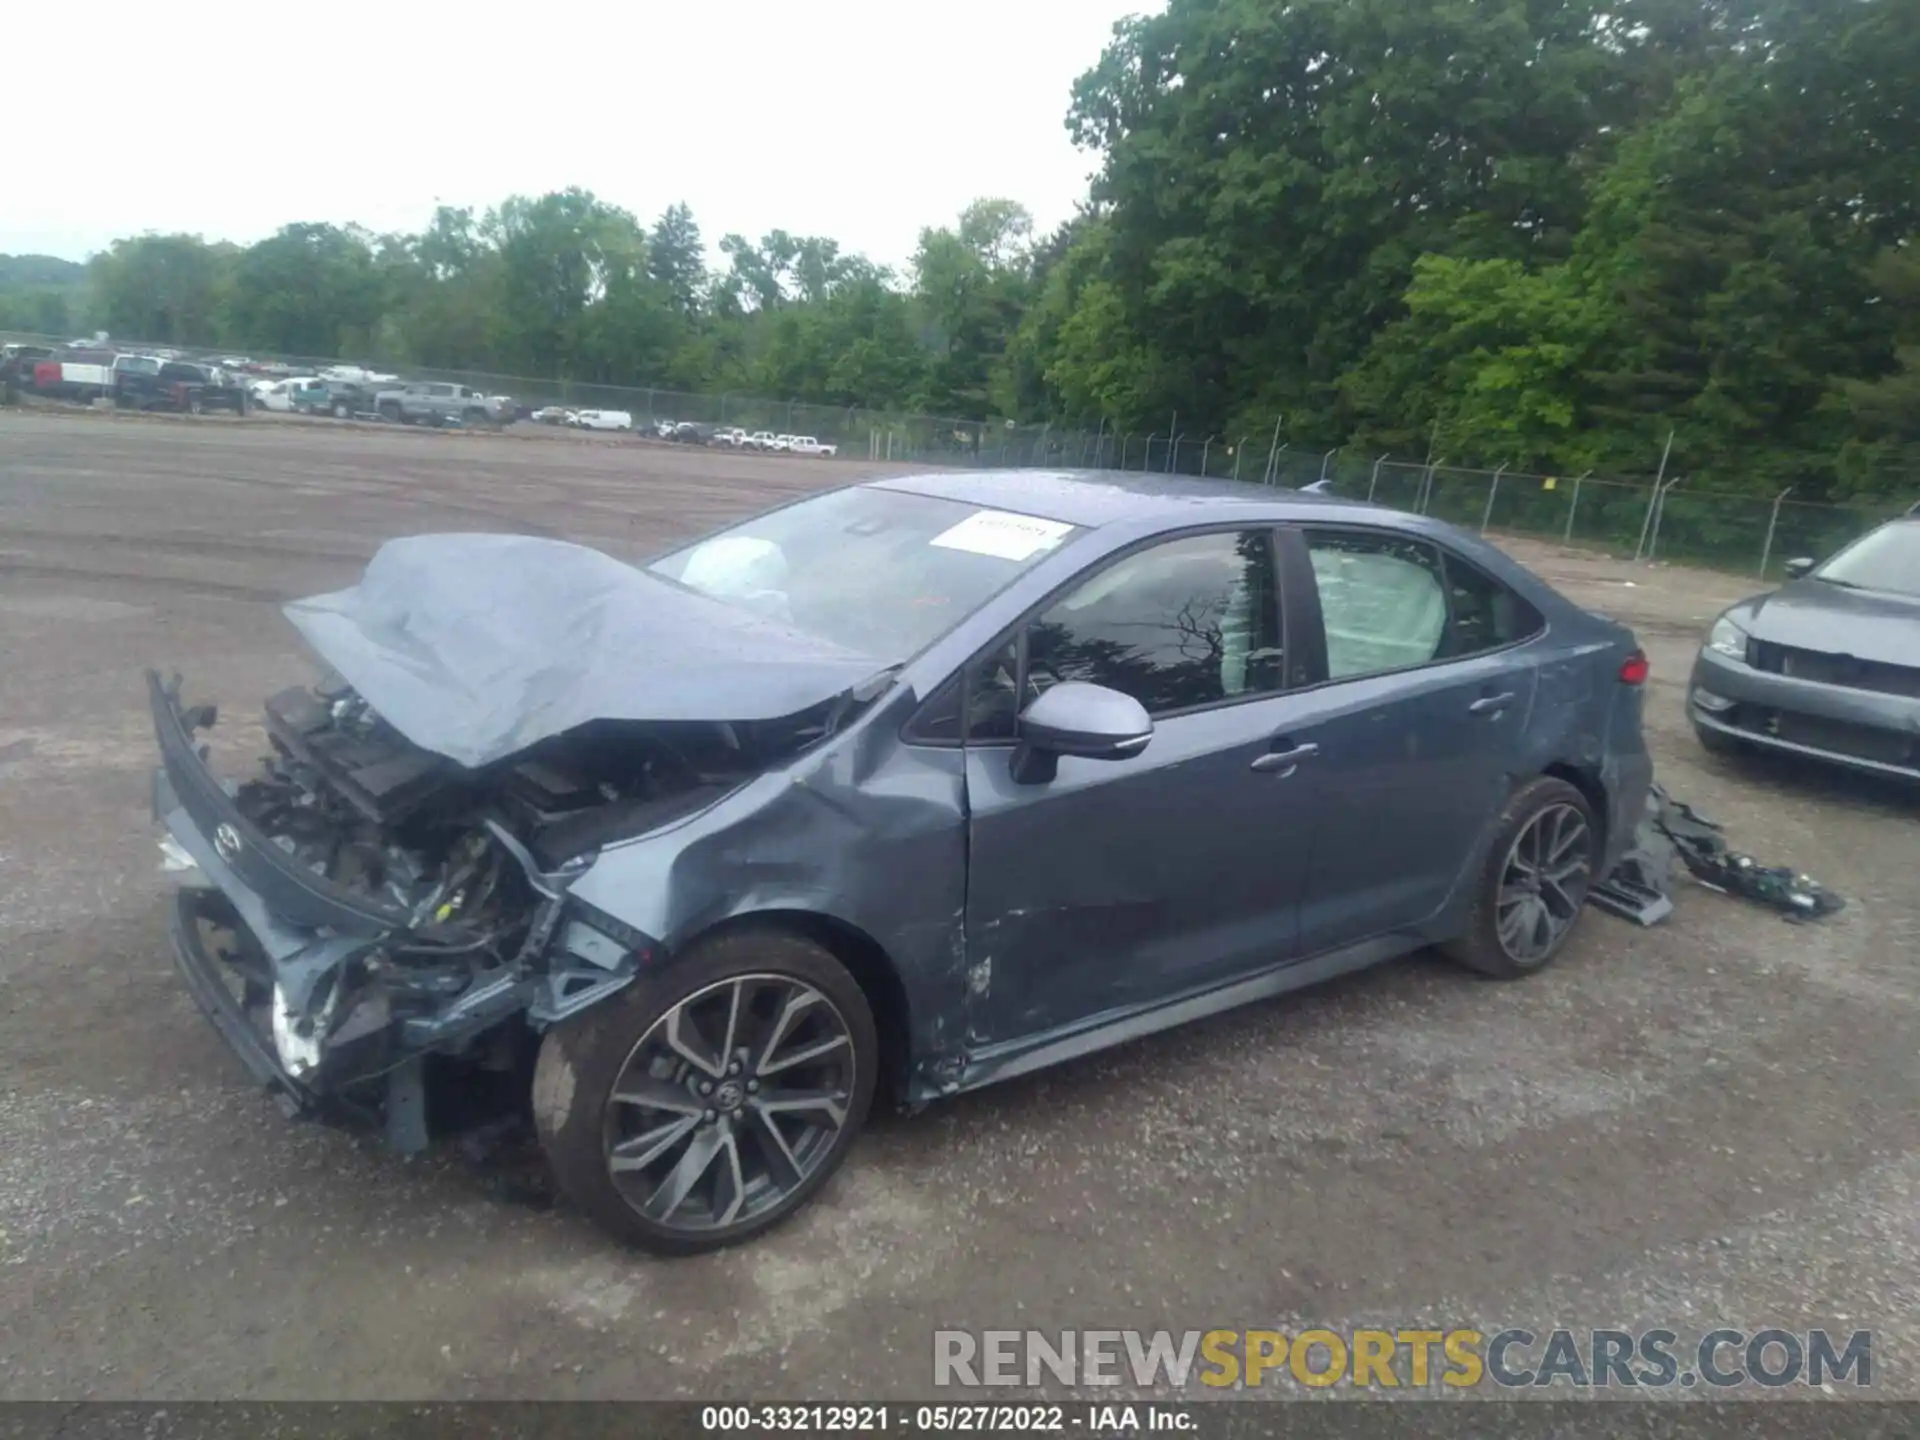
(1424,687)
(1122,882)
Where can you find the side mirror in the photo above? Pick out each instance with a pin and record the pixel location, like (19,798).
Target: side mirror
(1798,567)
(1075,718)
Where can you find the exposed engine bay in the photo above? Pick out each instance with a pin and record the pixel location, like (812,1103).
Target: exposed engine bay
(457,877)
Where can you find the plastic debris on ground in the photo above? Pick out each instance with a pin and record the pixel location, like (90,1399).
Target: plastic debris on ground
(1640,888)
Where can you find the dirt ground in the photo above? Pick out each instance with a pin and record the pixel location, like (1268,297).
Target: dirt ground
(1708,1123)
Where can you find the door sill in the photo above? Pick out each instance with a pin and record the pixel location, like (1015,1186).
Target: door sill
(1009,1058)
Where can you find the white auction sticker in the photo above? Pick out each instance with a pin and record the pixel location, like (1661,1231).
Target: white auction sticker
(1002,534)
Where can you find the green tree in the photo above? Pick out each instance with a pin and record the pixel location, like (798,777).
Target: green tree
(971,284)
(307,290)
(1489,362)
(676,259)
(164,289)
(1882,456)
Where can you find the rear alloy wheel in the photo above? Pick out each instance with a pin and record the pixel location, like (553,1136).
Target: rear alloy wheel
(703,1106)
(341,410)
(1538,873)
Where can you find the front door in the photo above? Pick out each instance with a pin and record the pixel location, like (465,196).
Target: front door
(1122,882)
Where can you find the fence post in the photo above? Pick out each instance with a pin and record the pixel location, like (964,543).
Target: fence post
(1766,550)
(1273,451)
(1274,461)
(1646,521)
(1658,477)
(1173,451)
(1325,461)
(1100,441)
(1205,450)
(1238,451)
(1486,515)
(1574,508)
(1426,483)
(1375,479)
(1659,514)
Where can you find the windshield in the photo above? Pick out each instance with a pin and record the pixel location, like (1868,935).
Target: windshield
(1885,559)
(877,571)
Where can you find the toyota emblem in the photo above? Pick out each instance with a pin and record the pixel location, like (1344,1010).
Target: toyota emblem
(226,840)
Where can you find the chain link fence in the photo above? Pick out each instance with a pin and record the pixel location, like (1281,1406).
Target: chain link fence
(1622,515)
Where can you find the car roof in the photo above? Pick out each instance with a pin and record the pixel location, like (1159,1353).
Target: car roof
(1093,498)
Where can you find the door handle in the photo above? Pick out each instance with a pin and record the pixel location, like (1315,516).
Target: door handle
(1492,704)
(1284,760)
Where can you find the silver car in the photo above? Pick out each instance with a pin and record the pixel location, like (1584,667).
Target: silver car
(1827,666)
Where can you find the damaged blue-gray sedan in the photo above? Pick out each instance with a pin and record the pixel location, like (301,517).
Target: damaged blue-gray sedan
(898,790)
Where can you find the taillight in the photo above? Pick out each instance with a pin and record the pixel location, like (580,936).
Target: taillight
(1634,669)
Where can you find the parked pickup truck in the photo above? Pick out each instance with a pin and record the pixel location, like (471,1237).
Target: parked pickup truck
(764,440)
(178,385)
(342,399)
(732,436)
(435,402)
(298,392)
(807,445)
(86,375)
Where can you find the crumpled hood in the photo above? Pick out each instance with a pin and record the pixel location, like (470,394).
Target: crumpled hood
(478,646)
(1813,615)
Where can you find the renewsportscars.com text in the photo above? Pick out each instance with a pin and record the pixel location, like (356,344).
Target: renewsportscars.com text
(1404,1358)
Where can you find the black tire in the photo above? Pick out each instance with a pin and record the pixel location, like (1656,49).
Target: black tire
(582,1061)
(1714,743)
(1512,951)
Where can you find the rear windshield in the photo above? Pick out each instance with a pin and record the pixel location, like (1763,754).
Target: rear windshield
(878,571)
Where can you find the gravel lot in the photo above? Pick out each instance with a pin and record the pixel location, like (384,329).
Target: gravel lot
(1709,1123)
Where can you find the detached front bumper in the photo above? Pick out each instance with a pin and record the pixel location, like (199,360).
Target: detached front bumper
(273,997)
(296,994)
(1865,730)
(208,986)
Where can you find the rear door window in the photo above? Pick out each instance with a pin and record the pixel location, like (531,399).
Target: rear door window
(1486,615)
(1383,601)
(1393,602)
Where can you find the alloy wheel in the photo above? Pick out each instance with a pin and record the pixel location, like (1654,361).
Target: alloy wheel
(1544,883)
(729,1102)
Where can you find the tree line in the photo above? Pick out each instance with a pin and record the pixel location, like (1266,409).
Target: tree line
(1539,233)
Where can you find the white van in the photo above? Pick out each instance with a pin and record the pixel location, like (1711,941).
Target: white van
(602,419)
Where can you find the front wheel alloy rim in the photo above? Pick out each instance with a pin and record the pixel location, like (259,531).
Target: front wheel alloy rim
(729,1102)
(1543,883)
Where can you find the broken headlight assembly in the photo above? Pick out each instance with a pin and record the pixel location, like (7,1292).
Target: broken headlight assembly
(1728,639)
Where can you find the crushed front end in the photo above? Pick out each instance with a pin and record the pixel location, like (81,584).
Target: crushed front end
(360,910)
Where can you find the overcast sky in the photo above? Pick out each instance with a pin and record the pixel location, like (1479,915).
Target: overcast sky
(859,119)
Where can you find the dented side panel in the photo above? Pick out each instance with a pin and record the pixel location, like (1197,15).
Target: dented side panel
(867,832)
